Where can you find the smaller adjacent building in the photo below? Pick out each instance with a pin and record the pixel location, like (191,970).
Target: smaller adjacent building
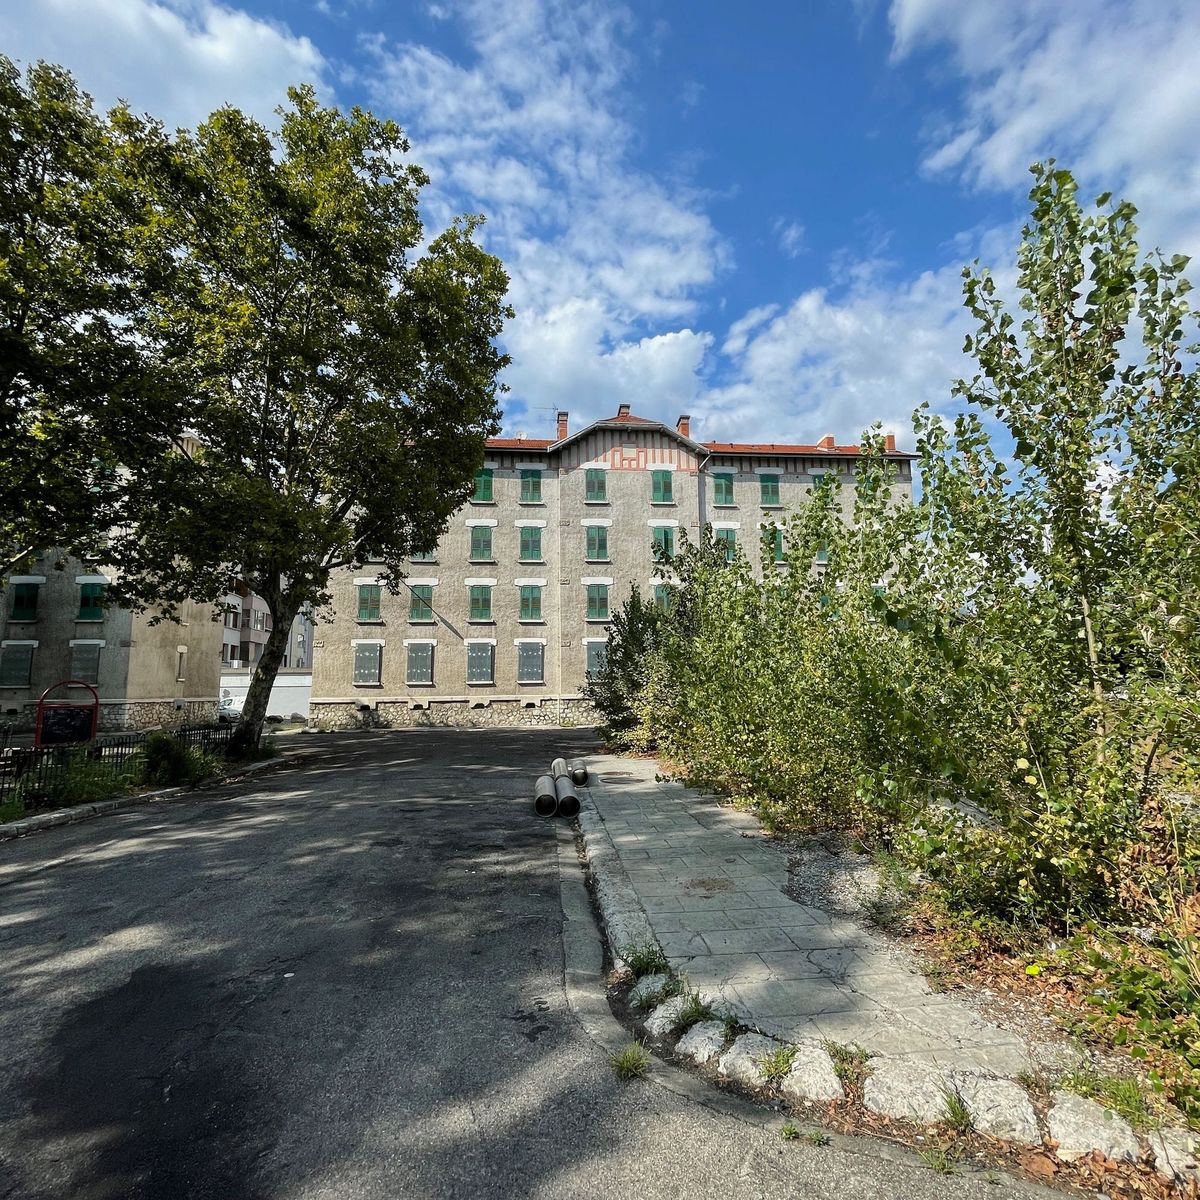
(57,626)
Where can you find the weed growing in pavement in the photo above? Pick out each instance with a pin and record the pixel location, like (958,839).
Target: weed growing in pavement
(958,1115)
(695,1009)
(849,1062)
(631,1062)
(1126,1097)
(936,1159)
(790,1133)
(816,1137)
(646,959)
(777,1063)
(648,1000)
(731,1025)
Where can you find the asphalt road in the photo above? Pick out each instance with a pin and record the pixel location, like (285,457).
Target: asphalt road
(343,979)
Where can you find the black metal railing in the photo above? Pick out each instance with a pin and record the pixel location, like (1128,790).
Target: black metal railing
(33,778)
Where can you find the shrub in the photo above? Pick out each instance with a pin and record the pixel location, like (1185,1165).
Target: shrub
(169,760)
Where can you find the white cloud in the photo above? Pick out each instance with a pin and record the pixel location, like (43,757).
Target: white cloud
(606,260)
(791,237)
(1108,87)
(176,59)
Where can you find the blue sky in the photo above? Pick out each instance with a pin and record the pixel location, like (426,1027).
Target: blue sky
(756,213)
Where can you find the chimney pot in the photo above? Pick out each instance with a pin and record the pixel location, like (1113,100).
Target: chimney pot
(889,443)
(562,425)
(683,426)
(826,443)
(622,410)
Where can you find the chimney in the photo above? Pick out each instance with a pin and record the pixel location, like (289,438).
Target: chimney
(622,410)
(683,426)
(562,425)
(826,443)
(889,443)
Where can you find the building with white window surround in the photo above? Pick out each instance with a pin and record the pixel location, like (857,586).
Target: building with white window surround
(502,623)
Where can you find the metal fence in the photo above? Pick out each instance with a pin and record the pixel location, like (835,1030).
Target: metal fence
(54,776)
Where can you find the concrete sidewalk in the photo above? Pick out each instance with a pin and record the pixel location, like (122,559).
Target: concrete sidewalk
(714,893)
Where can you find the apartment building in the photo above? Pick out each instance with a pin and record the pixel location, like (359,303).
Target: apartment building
(58,627)
(502,623)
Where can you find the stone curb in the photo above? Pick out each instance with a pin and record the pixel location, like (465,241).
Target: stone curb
(625,921)
(85,812)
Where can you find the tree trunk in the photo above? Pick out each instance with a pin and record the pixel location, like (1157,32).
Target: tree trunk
(254,711)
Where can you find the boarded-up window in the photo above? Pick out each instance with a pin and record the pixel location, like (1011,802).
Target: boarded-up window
(420,663)
(530,656)
(368,662)
(480,663)
(85,662)
(16,665)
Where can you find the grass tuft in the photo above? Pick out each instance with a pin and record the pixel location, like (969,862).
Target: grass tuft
(1126,1097)
(937,1160)
(631,1062)
(958,1115)
(695,1009)
(776,1064)
(646,959)
(790,1133)
(849,1062)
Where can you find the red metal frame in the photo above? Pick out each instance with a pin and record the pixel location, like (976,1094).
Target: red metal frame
(44,704)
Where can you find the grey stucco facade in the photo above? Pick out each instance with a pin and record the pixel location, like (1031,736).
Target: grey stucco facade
(389,660)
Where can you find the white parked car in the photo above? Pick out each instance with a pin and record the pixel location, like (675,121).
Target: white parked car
(229,710)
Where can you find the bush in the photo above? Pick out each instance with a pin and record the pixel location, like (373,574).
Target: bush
(169,760)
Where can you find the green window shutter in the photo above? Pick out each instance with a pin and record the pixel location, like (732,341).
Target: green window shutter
(823,553)
(723,487)
(483,486)
(597,543)
(368,659)
(481,602)
(531,543)
(596,490)
(777,543)
(25,601)
(368,601)
(481,543)
(426,557)
(597,601)
(85,663)
(420,663)
(816,477)
(661,491)
(480,663)
(16,666)
(727,540)
(530,658)
(531,487)
(662,596)
(420,605)
(91,601)
(531,602)
(596,653)
(664,539)
(769,487)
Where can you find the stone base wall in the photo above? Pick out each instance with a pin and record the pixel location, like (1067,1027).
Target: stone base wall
(121,715)
(400,714)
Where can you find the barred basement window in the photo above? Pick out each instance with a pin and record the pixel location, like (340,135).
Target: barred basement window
(597,543)
(420,663)
(595,486)
(420,605)
(481,663)
(662,490)
(531,543)
(531,486)
(596,654)
(16,666)
(723,487)
(769,488)
(25,598)
(368,662)
(597,601)
(85,662)
(481,543)
(481,602)
(483,486)
(530,658)
(368,601)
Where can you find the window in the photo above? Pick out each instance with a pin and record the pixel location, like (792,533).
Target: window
(481,602)
(596,653)
(531,543)
(597,601)
(481,662)
(483,486)
(25,598)
(91,602)
(727,540)
(661,491)
(531,486)
(723,487)
(368,601)
(664,540)
(16,665)
(420,605)
(595,486)
(481,543)
(85,662)
(368,662)
(823,552)
(426,556)
(531,602)
(769,487)
(816,477)
(530,659)
(181,665)
(662,597)
(420,663)
(597,543)
(776,536)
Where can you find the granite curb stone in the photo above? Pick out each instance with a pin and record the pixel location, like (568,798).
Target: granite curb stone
(1081,1126)
(811,1075)
(742,1061)
(702,1042)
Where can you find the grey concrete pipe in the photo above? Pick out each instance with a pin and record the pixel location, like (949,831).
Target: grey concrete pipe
(579,772)
(568,798)
(558,768)
(545,798)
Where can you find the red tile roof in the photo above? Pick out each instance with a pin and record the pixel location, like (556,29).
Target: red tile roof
(776,448)
(520,443)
